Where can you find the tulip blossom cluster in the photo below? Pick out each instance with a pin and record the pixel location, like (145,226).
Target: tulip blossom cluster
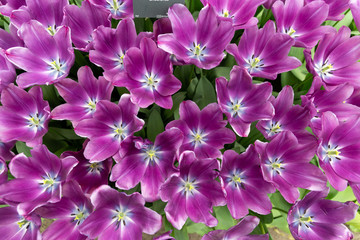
(213,120)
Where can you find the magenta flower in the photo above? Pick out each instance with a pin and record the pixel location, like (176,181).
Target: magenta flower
(193,192)
(109,127)
(245,187)
(38,179)
(148,163)
(240,231)
(5,150)
(70,212)
(355,10)
(7,72)
(339,150)
(3,171)
(263,52)
(119,216)
(336,8)
(118,8)
(110,46)
(49,13)
(242,101)
(83,21)
(89,175)
(302,22)
(204,131)
(317,218)
(202,42)
(24,116)
(239,12)
(20,227)
(81,97)
(285,163)
(287,116)
(148,75)
(11,5)
(319,101)
(46,58)
(336,59)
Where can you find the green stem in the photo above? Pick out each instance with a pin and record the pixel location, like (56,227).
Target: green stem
(4,19)
(280,210)
(262,228)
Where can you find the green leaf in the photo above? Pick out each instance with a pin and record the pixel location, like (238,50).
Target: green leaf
(177,99)
(238,148)
(22,148)
(198,228)
(158,206)
(204,93)
(155,124)
(62,134)
(355,223)
(279,202)
(181,234)
(224,217)
(344,196)
(332,193)
(222,72)
(192,87)
(346,21)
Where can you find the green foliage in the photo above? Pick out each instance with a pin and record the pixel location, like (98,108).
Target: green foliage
(155,124)
(204,93)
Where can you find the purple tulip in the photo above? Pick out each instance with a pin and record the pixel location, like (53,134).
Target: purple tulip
(316,218)
(109,127)
(24,116)
(110,46)
(11,5)
(242,101)
(336,59)
(193,192)
(118,8)
(46,58)
(204,131)
(302,22)
(5,150)
(38,179)
(287,116)
(245,187)
(263,52)
(336,8)
(119,216)
(148,163)
(148,75)
(202,42)
(70,212)
(3,171)
(81,97)
(48,12)
(285,163)
(7,72)
(239,12)
(319,101)
(240,231)
(15,226)
(161,26)
(83,21)
(355,10)
(339,150)
(89,175)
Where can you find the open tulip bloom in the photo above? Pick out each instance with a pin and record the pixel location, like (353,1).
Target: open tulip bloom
(219,120)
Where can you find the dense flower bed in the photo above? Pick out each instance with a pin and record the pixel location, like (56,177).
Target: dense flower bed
(224,119)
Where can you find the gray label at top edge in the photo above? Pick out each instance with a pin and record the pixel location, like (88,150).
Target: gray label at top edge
(153,8)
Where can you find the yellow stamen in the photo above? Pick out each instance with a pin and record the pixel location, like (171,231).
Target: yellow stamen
(276,165)
(326,68)
(92,105)
(275,128)
(48,181)
(305,219)
(189,187)
(79,216)
(333,152)
(151,154)
(291,32)
(254,62)
(197,137)
(22,223)
(51,30)
(121,216)
(236,107)
(237,179)
(226,14)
